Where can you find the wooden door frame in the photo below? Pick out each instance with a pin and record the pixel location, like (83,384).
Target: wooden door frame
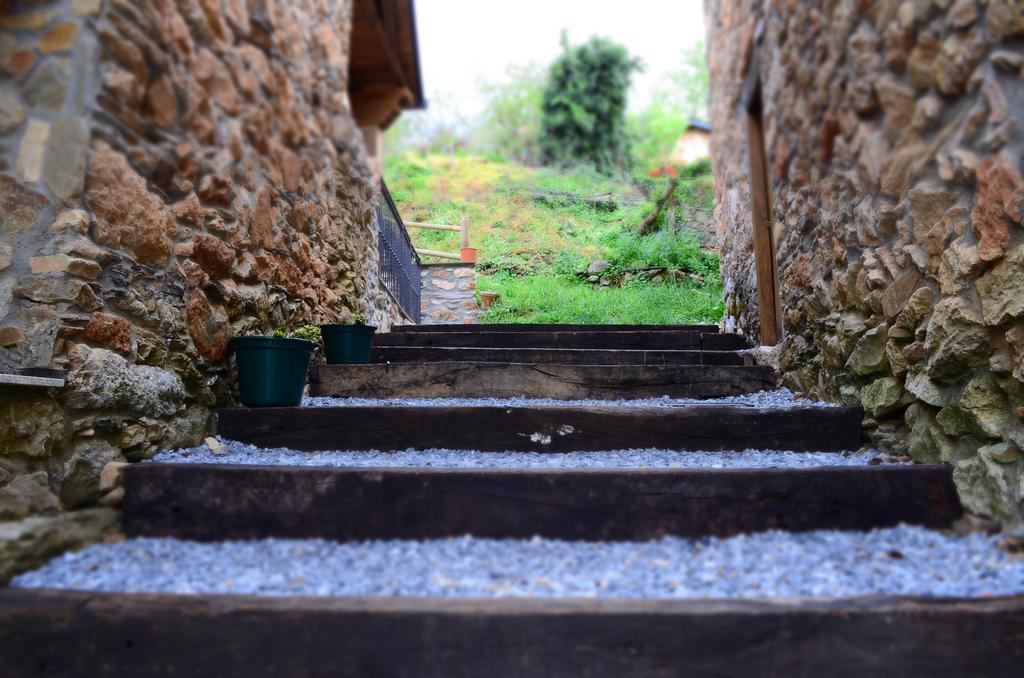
(761,211)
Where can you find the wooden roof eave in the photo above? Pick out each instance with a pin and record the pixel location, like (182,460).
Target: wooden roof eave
(379,106)
(385,64)
(411,55)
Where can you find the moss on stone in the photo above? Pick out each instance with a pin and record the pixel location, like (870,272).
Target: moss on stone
(869,356)
(981,409)
(29,543)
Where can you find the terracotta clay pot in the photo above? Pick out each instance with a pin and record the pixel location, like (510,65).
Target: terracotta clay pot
(487,298)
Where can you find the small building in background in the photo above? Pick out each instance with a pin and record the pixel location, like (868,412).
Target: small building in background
(694,145)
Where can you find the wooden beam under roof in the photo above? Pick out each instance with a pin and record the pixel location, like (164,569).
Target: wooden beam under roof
(379,106)
(384,75)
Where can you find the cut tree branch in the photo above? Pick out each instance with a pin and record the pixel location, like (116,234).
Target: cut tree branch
(645,225)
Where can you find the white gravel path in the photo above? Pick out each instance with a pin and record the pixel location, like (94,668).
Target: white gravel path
(234,452)
(895,561)
(779,399)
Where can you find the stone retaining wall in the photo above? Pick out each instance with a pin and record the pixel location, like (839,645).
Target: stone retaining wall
(893,145)
(701,223)
(448,294)
(171,174)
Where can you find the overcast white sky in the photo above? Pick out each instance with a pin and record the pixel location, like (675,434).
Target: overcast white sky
(462,40)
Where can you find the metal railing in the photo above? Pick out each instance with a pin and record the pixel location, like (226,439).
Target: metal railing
(399,263)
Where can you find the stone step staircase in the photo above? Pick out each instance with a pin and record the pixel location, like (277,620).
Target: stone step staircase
(568,428)
(217,502)
(77,633)
(650,340)
(563,362)
(537,380)
(555,356)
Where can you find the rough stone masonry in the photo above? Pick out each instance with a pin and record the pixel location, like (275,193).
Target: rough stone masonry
(449,294)
(172,173)
(893,142)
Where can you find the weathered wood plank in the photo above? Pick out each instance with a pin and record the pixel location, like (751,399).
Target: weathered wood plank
(217,502)
(434,227)
(544,429)
(554,356)
(109,635)
(606,340)
(481,328)
(436,253)
(566,382)
(723,342)
(762,217)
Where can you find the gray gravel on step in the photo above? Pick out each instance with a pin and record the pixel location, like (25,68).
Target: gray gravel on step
(234,452)
(782,398)
(894,561)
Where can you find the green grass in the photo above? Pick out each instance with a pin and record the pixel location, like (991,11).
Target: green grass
(536,230)
(557,299)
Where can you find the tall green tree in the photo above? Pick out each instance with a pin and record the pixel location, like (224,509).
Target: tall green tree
(510,123)
(683,95)
(583,106)
(689,90)
(441,128)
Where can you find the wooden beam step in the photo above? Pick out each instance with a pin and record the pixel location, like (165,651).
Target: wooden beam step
(544,429)
(559,327)
(108,635)
(635,340)
(565,382)
(219,502)
(557,356)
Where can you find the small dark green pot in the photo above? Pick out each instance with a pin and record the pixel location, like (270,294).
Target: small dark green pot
(347,344)
(271,370)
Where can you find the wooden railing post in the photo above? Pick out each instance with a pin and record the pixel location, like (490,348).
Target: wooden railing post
(462,229)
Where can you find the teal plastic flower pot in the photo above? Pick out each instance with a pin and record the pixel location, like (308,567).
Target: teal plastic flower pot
(347,344)
(271,370)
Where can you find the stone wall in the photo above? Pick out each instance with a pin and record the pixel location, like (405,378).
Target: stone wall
(172,173)
(448,294)
(894,150)
(700,222)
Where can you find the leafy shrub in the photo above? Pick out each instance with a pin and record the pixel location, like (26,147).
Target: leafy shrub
(509,127)
(558,299)
(627,250)
(441,128)
(653,134)
(583,109)
(683,95)
(307,332)
(701,168)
